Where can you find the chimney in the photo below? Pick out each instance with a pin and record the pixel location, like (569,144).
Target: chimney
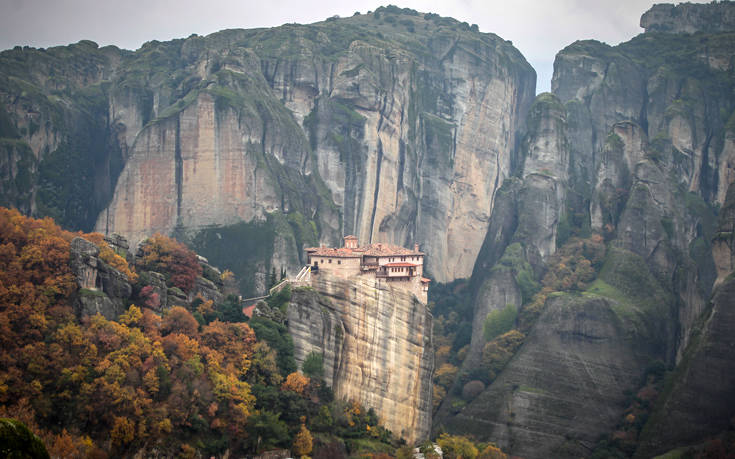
(416,247)
(351,242)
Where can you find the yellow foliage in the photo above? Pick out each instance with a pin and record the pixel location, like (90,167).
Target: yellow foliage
(123,431)
(206,307)
(150,381)
(110,257)
(132,316)
(457,447)
(492,452)
(302,444)
(439,394)
(188,452)
(442,353)
(445,375)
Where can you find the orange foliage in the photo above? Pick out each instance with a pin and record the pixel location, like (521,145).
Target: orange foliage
(295,382)
(118,380)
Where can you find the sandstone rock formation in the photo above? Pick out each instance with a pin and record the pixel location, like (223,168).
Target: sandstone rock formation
(689,18)
(723,244)
(701,400)
(528,213)
(394,126)
(103,289)
(642,154)
(559,393)
(411,142)
(376,345)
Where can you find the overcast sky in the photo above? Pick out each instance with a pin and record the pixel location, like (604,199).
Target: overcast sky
(538,28)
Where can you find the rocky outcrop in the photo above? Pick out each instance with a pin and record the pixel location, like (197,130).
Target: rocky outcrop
(701,400)
(565,387)
(690,18)
(670,86)
(102,289)
(376,346)
(62,154)
(644,112)
(528,212)
(723,244)
(562,389)
(105,290)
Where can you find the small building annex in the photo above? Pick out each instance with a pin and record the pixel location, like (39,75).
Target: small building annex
(391,263)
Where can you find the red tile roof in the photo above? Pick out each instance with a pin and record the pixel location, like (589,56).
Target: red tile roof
(248,310)
(425,280)
(380,250)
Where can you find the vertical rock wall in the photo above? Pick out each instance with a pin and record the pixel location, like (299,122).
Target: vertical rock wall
(412,139)
(376,343)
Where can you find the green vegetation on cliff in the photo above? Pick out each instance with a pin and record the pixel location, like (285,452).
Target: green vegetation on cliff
(642,303)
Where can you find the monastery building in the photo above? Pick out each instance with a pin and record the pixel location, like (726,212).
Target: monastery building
(385,262)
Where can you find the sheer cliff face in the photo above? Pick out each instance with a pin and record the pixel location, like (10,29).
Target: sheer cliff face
(653,116)
(688,18)
(59,156)
(636,145)
(411,128)
(376,343)
(701,401)
(676,88)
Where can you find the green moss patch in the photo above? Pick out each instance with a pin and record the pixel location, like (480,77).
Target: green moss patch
(641,302)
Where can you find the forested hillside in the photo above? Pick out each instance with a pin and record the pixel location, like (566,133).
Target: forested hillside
(192,379)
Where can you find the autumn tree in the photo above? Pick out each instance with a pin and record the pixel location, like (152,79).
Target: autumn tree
(492,452)
(171,258)
(123,431)
(302,443)
(445,375)
(457,447)
(179,320)
(295,382)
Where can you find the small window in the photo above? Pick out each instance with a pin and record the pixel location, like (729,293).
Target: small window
(330,260)
(339,262)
